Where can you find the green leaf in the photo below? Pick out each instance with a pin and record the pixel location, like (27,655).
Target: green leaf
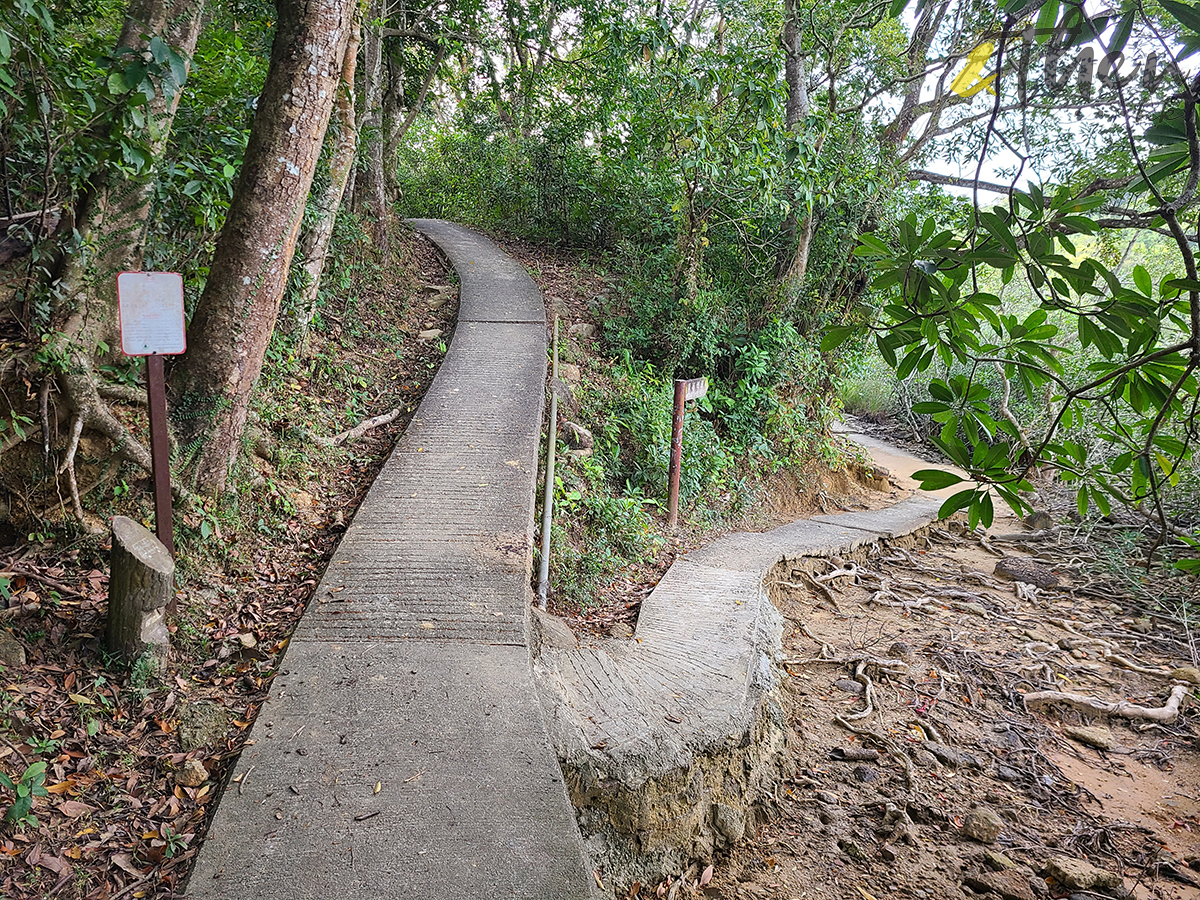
(1142,279)
(961,500)
(1184,13)
(837,336)
(1122,32)
(116,84)
(936,479)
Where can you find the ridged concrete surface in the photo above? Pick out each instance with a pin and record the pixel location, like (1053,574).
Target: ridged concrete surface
(692,679)
(402,751)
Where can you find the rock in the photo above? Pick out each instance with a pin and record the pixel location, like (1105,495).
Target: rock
(1077,875)
(1076,653)
(864,774)
(569,373)
(577,437)
(621,630)
(997,861)
(582,329)
(551,631)
(429,334)
(1021,568)
(849,685)
(12,651)
(924,758)
(951,757)
(1190,674)
(202,724)
(888,852)
(1144,625)
(1039,520)
(191,774)
(1094,736)
(827,797)
(901,651)
(852,849)
(1004,773)
(730,823)
(983,825)
(1010,884)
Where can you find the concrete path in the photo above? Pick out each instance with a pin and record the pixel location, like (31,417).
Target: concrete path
(402,751)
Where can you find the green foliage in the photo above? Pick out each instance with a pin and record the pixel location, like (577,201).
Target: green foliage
(31,785)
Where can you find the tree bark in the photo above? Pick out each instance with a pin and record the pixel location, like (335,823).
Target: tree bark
(236,314)
(314,241)
(372,183)
(113,213)
(792,261)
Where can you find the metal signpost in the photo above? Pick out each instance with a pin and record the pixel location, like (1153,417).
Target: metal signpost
(150,306)
(685,390)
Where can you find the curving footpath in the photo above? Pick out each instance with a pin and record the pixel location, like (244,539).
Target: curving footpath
(402,751)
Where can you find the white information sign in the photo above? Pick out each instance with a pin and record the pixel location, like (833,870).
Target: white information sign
(150,305)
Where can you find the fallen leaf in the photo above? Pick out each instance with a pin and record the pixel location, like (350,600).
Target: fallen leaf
(124,861)
(61,788)
(73,808)
(79,698)
(378,787)
(866,896)
(706,875)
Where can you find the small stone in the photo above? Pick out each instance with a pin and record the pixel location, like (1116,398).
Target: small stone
(864,774)
(1190,674)
(1004,773)
(621,630)
(191,774)
(901,651)
(827,797)
(849,685)
(569,373)
(983,825)
(1010,884)
(1039,520)
(924,758)
(997,860)
(730,823)
(582,329)
(1076,653)
(852,849)
(1094,736)
(577,437)
(1077,875)
(888,852)
(12,651)
(1144,625)
(429,334)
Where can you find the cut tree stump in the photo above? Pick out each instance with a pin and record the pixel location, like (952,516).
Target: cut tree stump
(140,587)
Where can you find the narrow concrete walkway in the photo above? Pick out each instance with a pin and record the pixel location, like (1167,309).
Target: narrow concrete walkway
(402,751)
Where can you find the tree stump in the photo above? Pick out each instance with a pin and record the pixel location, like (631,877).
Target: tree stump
(140,587)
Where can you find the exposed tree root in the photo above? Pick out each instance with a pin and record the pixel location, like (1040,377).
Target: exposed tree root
(68,466)
(363,427)
(1165,714)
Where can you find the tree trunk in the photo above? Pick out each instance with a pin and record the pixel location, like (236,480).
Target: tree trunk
(113,213)
(372,185)
(395,127)
(314,241)
(236,314)
(792,261)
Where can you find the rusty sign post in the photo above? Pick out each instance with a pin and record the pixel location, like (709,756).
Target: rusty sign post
(685,390)
(150,307)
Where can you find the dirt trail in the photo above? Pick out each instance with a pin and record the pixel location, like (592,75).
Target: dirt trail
(970,793)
